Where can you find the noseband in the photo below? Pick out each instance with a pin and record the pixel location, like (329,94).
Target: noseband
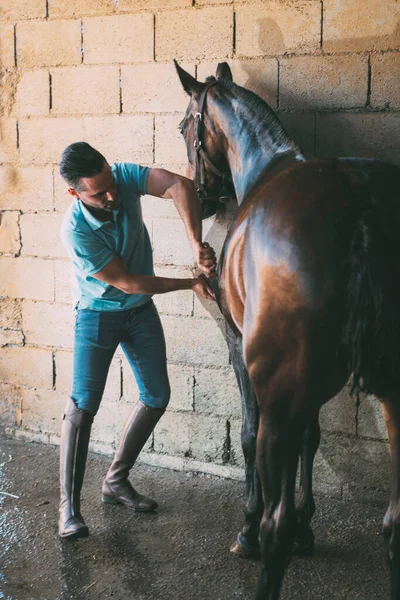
(202,159)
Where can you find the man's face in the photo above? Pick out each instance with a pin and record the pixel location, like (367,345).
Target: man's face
(99,191)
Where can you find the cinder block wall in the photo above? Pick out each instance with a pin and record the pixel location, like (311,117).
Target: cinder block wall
(101,70)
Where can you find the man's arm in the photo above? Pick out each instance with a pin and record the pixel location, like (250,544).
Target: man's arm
(116,274)
(182,192)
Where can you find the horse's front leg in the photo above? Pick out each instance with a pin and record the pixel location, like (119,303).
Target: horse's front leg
(305,505)
(246,544)
(391,522)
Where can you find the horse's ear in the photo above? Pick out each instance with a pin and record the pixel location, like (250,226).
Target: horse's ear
(223,71)
(189,83)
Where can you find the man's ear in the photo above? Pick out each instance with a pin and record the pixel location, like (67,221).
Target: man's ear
(73,192)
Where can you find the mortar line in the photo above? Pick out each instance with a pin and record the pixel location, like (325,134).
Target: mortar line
(82,48)
(47,9)
(120,91)
(234,34)
(17,131)
(278,84)
(50,92)
(15,45)
(154,36)
(369,84)
(193,390)
(322,25)
(54,369)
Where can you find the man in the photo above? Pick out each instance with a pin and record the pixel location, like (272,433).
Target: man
(113,283)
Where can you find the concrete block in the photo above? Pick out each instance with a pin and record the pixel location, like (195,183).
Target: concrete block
(27,278)
(169,144)
(371,423)
(42,410)
(10,241)
(171,246)
(7,54)
(172,432)
(194,342)
(208,437)
(276,28)
(339,414)
(108,425)
(51,137)
(47,324)
(301,128)
(134,5)
(153,88)
(122,138)
(85,90)
(125,47)
(63,9)
(373,135)
(40,234)
(28,9)
(32,367)
(63,376)
(308,82)
(26,188)
(10,337)
(10,405)
(48,43)
(33,94)
(211,33)
(10,313)
(175,303)
(362,463)
(63,281)
(385,83)
(235,448)
(8,140)
(258,75)
(216,392)
(373,29)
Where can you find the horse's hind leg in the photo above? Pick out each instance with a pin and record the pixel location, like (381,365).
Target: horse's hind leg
(305,505)
(278,448)
(391,523)
(247,544)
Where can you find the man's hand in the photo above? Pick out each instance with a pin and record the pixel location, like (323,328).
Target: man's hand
(205,258)
(203,288)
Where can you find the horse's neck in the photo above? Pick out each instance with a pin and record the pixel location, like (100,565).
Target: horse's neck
(252,149)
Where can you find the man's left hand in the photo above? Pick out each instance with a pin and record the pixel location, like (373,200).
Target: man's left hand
(206,259)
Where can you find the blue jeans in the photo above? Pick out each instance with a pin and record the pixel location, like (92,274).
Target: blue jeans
(97,335)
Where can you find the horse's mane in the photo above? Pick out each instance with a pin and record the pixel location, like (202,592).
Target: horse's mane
(254,108)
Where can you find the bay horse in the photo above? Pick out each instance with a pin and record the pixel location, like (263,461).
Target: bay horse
(309,285)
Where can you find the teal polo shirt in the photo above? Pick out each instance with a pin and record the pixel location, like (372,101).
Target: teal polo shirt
(91,244)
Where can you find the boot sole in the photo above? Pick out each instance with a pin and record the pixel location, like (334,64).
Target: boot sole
(114,501)
(81,533)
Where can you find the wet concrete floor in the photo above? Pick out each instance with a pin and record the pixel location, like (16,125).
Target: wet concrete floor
(180,553)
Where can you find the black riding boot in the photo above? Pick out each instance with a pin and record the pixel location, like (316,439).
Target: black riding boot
(116,487)
(75,434)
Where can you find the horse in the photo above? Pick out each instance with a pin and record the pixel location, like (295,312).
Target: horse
(309,285)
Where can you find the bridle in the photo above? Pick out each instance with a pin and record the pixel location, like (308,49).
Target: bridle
(201,159)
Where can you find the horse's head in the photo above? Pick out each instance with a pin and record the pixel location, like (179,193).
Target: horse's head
(206,148)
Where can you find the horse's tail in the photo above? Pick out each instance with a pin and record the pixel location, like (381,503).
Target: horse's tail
(371,330)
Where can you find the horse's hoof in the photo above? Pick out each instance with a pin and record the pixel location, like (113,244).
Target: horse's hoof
(238,549)
(304,541)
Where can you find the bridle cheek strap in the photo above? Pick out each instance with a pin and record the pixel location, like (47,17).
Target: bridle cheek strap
(201,157)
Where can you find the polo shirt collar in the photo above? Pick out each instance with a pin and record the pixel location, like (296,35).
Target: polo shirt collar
(91,219)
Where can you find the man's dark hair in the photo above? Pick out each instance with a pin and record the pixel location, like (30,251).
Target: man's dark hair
(80,160)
